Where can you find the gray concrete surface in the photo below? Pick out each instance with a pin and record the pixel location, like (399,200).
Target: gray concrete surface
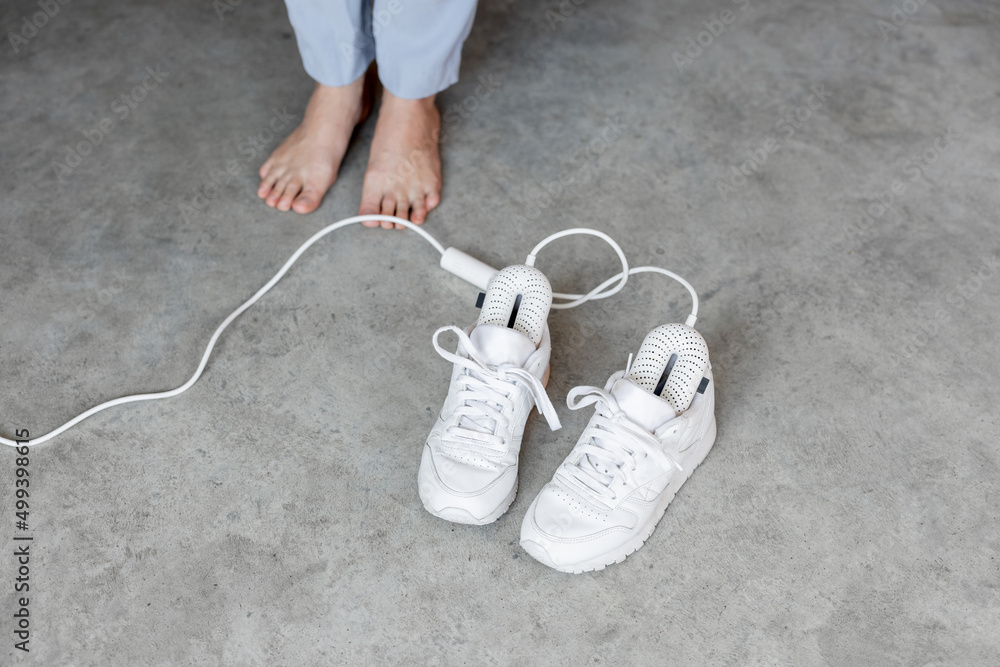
(848,513)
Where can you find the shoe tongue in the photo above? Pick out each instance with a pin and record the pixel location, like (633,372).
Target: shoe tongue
(641,406)
(500,345)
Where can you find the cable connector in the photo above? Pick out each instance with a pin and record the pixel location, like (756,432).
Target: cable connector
(467,267)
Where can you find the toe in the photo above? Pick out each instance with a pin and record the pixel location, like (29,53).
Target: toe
(371,203)
(403,205)
(292,190)
(307,201)
(433,199)
(266,186)
(388,208)
(402,211)
(419,212)
(274,196)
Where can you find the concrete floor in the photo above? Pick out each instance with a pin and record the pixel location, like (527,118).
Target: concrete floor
(848,513)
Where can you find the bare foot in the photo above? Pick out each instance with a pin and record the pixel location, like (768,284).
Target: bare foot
(305,165)
(404,166)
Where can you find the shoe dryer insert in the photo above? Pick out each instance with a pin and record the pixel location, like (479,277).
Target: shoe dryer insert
(671,364)
(518,297)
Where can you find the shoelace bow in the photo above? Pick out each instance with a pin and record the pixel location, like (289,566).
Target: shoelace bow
(610,443)
(485,400)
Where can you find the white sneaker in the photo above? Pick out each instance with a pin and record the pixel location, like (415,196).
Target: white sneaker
(653,424)
(468,470)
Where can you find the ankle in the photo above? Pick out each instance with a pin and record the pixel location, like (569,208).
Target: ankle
(422,104)
(336,101)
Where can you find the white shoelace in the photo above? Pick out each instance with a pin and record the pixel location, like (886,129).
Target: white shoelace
(610,444)
(485,402)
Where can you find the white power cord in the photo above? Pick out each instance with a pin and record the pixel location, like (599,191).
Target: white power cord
(691,319)
(135,398)
(601,291)
(574,300)
(453,260)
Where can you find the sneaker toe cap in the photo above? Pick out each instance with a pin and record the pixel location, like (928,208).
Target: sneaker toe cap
(460,492)
(564,533)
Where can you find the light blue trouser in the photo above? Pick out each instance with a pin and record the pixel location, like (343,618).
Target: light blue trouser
(417,43)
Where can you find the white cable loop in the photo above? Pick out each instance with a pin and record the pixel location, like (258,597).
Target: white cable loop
(691,319)
(574,300)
